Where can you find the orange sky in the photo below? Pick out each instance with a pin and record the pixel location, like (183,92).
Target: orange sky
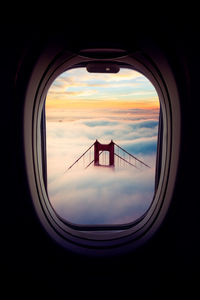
(83,104)
(78,89)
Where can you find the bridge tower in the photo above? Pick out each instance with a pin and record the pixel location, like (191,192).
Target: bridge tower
(121,155)
(98,148)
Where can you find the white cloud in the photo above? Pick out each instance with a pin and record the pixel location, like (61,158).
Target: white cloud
(97,195)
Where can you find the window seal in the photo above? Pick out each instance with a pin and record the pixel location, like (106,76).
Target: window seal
(46,70)
(101,227)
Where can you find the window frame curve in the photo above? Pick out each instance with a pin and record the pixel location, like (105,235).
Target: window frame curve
(47,68)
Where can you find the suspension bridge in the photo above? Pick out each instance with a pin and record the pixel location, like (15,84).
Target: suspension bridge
(107,155)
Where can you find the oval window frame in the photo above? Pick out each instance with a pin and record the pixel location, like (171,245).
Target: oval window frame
(155,67)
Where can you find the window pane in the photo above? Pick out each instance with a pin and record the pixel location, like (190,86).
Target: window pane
(102,132)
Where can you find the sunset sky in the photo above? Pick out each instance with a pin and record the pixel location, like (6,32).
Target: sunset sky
(77,88)
(82,107)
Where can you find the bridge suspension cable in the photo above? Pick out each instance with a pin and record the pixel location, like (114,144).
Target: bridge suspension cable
(92,161)
(81,156)
(131,156)
(125,160)
(114,150)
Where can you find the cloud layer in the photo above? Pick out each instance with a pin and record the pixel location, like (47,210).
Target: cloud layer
(100,195)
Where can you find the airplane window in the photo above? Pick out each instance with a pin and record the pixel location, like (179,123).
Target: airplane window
(101,146)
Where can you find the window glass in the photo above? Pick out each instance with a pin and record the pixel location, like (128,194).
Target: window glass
(101,137)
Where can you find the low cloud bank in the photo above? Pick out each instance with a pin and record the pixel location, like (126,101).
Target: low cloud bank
(102,196)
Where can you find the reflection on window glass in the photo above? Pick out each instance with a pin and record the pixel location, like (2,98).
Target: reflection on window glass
(101,132)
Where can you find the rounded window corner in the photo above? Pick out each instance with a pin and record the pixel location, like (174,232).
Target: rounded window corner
(102,242)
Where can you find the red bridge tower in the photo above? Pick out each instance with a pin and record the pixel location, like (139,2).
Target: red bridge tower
(98,148)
